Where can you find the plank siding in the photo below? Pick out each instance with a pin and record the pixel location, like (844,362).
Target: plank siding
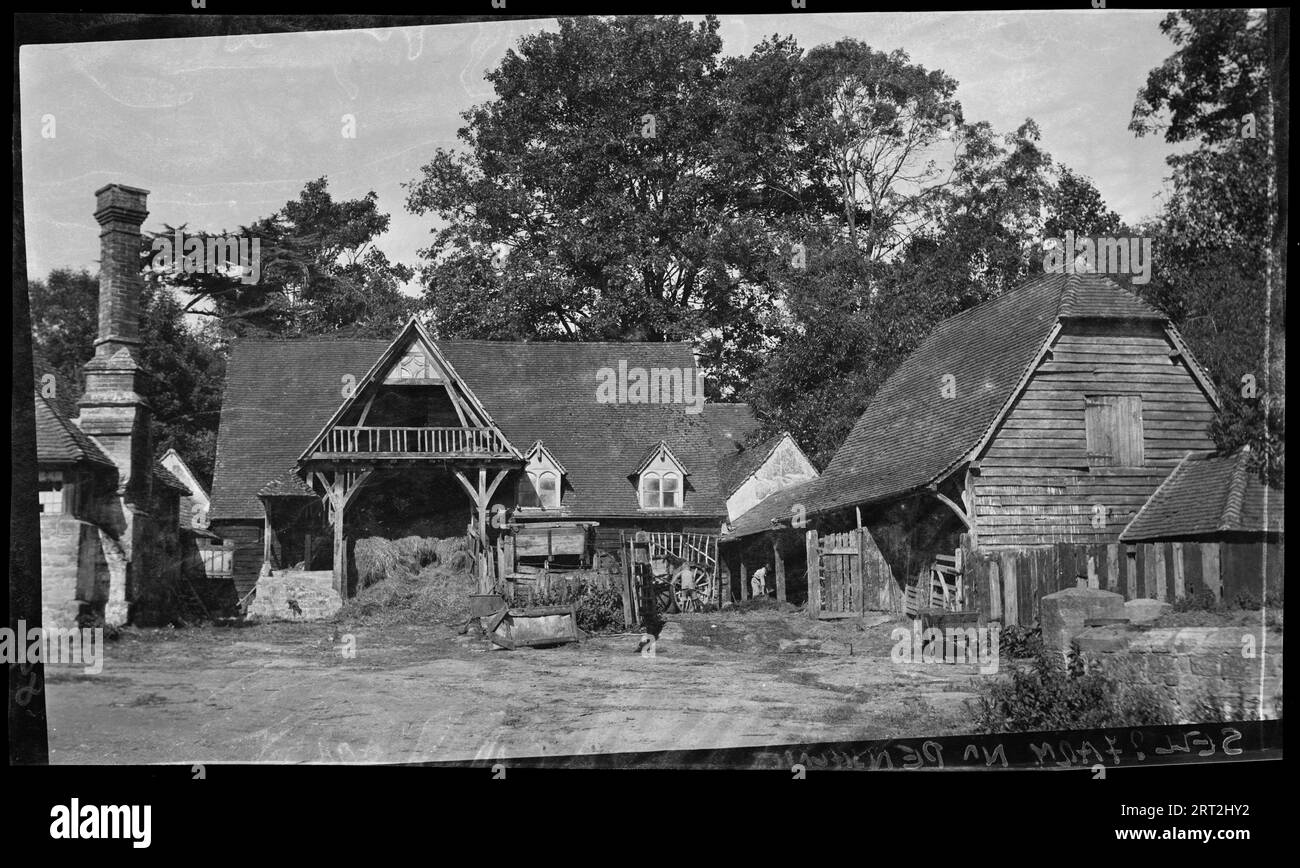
(1035,486)
(246,540)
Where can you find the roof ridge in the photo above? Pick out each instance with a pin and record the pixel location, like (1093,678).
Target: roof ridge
(1235,495)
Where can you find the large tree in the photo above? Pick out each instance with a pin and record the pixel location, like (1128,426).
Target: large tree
(321,272)
(851,318)
(1219,269)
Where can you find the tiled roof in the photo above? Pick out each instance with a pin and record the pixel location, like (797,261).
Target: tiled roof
(739,464)
(279,394)
(1090,296)
(60,441)
(733,424)
(776,509)
(287,484)
(910,435)
(164,476)
(1206,495)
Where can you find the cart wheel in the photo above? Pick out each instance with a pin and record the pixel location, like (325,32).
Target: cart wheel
(664,599)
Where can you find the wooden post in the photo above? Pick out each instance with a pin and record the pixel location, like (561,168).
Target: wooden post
(814,575)
(484,575)
(1210,574)
(1180,580)
(779,565)
(629,615)
(340,546)
(1130,575)
(724,586)
(266,534)
(744,578)
(1113,582)
(995,592)
(1156,569)
(1010,590)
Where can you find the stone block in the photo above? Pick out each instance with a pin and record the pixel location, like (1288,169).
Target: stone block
(1063,614)
(1145,611)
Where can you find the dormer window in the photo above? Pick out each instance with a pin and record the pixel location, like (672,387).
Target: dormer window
(661,479)
(547,484)
(546,477)
(661,490)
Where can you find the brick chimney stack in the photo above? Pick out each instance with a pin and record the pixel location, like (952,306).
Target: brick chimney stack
(112,410)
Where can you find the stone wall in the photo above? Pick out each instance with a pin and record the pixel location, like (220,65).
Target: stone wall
(1193,663)
(60,570)
(294,595)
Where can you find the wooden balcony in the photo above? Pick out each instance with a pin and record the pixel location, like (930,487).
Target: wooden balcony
(368,442)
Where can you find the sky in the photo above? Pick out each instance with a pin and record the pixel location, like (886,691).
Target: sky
(225,130)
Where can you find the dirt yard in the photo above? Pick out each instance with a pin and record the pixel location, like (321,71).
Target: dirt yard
(287,693)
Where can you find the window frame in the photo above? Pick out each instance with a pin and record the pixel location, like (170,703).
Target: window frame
(663,469)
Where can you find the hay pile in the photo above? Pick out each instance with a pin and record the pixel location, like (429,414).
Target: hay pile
(412,580)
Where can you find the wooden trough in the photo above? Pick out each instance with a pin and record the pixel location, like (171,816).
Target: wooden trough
(535,626)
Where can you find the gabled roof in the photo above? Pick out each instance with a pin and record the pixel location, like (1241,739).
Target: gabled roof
(910,436)
(653,452)
(1206,495)
(183,474)
(411,334)
(745,462)
(60,441)
(776,510)
(280,394)
(539,446)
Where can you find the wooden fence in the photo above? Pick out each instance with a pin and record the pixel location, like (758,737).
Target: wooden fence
(847,574)
(1007,586)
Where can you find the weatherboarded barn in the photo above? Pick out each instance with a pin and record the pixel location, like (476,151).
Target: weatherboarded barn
(1041,419)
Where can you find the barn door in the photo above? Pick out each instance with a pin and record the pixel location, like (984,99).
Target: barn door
(835,585)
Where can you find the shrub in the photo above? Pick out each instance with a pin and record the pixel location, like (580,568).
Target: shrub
(1016,642)
(599,610)
(1202,601)
(1067,692)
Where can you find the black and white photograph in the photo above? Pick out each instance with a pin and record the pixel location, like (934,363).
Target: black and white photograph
(795,391)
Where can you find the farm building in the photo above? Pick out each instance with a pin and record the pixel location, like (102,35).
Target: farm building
(110,515)
(1213,525)
(1022,434)
(323,442)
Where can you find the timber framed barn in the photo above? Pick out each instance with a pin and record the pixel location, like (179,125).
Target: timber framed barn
(1027,431)
(325,441)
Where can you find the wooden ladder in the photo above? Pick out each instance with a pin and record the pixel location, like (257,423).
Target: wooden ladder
(946,583)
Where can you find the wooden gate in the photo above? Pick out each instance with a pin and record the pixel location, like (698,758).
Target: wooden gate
(847,575)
